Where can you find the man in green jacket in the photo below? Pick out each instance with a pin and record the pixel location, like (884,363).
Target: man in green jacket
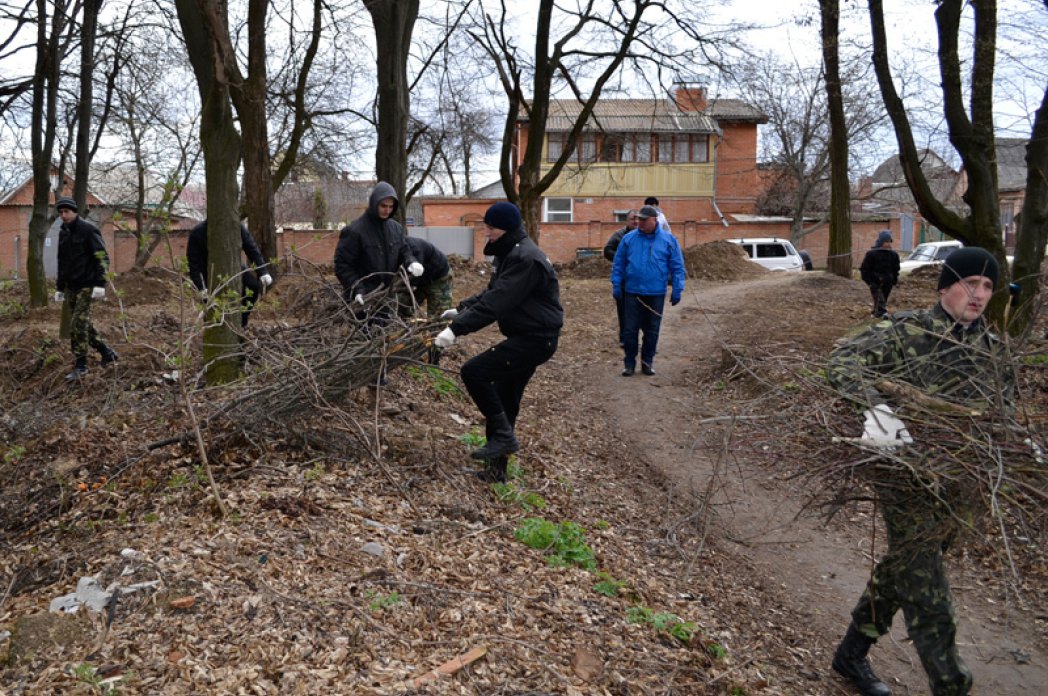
(946,352)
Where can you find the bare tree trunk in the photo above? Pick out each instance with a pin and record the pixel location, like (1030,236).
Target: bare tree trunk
(839,261)
(1033,221)
(45,97)
(203,27)
(249,96)
(81,171)
(394,21)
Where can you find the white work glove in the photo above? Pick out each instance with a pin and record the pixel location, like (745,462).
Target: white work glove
(449,314)
(445,338)
(415,268)
(59,296)
(98,293)
(883,429)
(266,280)
(359,299)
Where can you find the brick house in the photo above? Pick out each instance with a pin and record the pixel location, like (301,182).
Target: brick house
(106,209)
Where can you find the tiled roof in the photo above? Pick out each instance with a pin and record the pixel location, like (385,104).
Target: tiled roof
(735,110)
(629,116)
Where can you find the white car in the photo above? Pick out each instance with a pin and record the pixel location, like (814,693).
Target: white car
(771,252)
(927,254)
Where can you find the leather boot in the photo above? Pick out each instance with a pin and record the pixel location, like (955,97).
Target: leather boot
(79,369)
(495,471)
(851,663)
(501,441)
(109,355)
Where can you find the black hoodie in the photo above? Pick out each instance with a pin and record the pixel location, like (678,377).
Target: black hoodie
(370,245)
(523,295)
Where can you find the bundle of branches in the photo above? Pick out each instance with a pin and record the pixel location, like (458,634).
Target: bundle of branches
(325,349)
(986,471)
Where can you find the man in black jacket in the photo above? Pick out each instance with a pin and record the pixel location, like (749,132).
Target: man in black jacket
(434,285)
(880,271)
(372,248)
(82,265)
(609,253)
(199,272)
(523,296)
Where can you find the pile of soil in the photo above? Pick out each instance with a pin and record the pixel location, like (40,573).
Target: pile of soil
(722,261)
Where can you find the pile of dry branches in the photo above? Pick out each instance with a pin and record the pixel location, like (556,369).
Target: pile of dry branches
(324,350)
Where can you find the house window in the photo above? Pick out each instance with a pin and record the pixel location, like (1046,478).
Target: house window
(555,146)
(611,148)
(556,210)
(588,147)
(700,148)
(665,147)
(643,145)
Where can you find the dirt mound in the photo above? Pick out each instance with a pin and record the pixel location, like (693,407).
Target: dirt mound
(152,285)
(720,261)
(585,269)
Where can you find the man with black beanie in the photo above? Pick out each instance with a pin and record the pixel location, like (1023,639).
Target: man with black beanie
(880,271)
(82,265)
(948,353)
(523,296)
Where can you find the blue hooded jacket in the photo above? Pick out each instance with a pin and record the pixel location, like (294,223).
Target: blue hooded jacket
(643,263)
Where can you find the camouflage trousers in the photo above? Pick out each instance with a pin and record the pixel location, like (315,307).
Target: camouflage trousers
(82,334)
(911,577)
(436,296)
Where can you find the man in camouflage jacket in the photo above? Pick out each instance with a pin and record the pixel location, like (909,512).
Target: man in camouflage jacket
(948,353)
(82,265)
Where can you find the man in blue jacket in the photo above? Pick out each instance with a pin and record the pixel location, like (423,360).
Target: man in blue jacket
(523,297)
(644,260)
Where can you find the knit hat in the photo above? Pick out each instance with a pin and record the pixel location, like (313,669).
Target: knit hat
(503,216)
(965,262)
(882,237)
(65,202)
(647,212)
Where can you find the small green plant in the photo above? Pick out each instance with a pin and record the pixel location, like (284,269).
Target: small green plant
(672,624)
(179,479)
(473,439)
(87,673)
(608,586)
(602,525)
(437,379)
(381,602)
(737,691)
(13,454)
(150,517)
(717,651)
(315,473)
(1039,359)
(565,542)
(508,493)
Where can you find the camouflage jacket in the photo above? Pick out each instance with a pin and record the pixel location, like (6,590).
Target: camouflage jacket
(928,350)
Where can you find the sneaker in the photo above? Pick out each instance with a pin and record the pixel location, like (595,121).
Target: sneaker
(647,369)
(77,373)
(628,372)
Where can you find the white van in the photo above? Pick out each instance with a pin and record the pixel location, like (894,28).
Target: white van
(771,252)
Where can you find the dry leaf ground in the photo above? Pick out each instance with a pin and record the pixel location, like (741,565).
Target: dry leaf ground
(686,484)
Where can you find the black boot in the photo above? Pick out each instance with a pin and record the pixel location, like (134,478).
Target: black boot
(109,355)
(851,663)
(495,471)
(501,441)
(79,369)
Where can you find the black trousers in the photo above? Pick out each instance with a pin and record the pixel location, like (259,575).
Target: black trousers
(496,378)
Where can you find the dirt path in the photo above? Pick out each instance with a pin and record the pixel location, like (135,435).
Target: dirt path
(820,568)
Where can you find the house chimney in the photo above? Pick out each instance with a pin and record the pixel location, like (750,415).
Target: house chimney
(690,96)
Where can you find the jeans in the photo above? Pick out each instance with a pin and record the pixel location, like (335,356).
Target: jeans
(496,378)
(641,313)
